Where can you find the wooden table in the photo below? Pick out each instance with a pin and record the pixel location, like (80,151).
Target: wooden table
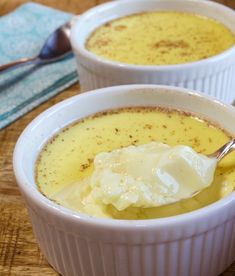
(19,253)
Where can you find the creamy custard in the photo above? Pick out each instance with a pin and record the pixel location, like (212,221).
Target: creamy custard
(148,175)
(160,38)
(68,158)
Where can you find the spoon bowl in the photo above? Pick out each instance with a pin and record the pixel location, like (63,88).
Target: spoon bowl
(57,45)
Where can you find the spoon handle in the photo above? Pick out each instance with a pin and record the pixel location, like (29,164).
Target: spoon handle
(225,149)
(18,63)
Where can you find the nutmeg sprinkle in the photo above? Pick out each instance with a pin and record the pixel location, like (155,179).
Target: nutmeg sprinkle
(160,38)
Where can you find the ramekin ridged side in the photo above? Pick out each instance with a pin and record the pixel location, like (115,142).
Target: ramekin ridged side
(214,76)
(195,251)
(220,85)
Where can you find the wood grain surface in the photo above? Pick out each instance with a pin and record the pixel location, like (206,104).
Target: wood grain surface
(19,253)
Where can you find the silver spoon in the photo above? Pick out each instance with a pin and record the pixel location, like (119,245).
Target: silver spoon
(56,47)
(224,150)
(219,154)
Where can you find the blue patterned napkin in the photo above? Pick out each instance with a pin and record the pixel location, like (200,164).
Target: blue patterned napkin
(22,34)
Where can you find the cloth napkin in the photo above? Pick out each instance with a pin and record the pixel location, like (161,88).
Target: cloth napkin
(22,34)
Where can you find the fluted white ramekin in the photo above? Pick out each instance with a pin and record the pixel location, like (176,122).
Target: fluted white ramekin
(214,76)
(199,243)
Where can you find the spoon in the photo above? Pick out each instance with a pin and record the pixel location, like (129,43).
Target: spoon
(56,47)
(224,150)
(218,155)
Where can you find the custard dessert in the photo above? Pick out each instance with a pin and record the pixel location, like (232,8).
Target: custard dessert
(65,168)
(160,38)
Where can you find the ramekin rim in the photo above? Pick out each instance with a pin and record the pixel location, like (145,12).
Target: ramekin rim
(135,67)
(35,195)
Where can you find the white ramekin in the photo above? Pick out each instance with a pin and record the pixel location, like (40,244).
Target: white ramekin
(214,76)
(199,243)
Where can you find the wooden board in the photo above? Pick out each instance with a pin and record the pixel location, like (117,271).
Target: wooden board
(19,253)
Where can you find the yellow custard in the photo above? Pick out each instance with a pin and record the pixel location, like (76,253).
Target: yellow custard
(160,38)
(68,158)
